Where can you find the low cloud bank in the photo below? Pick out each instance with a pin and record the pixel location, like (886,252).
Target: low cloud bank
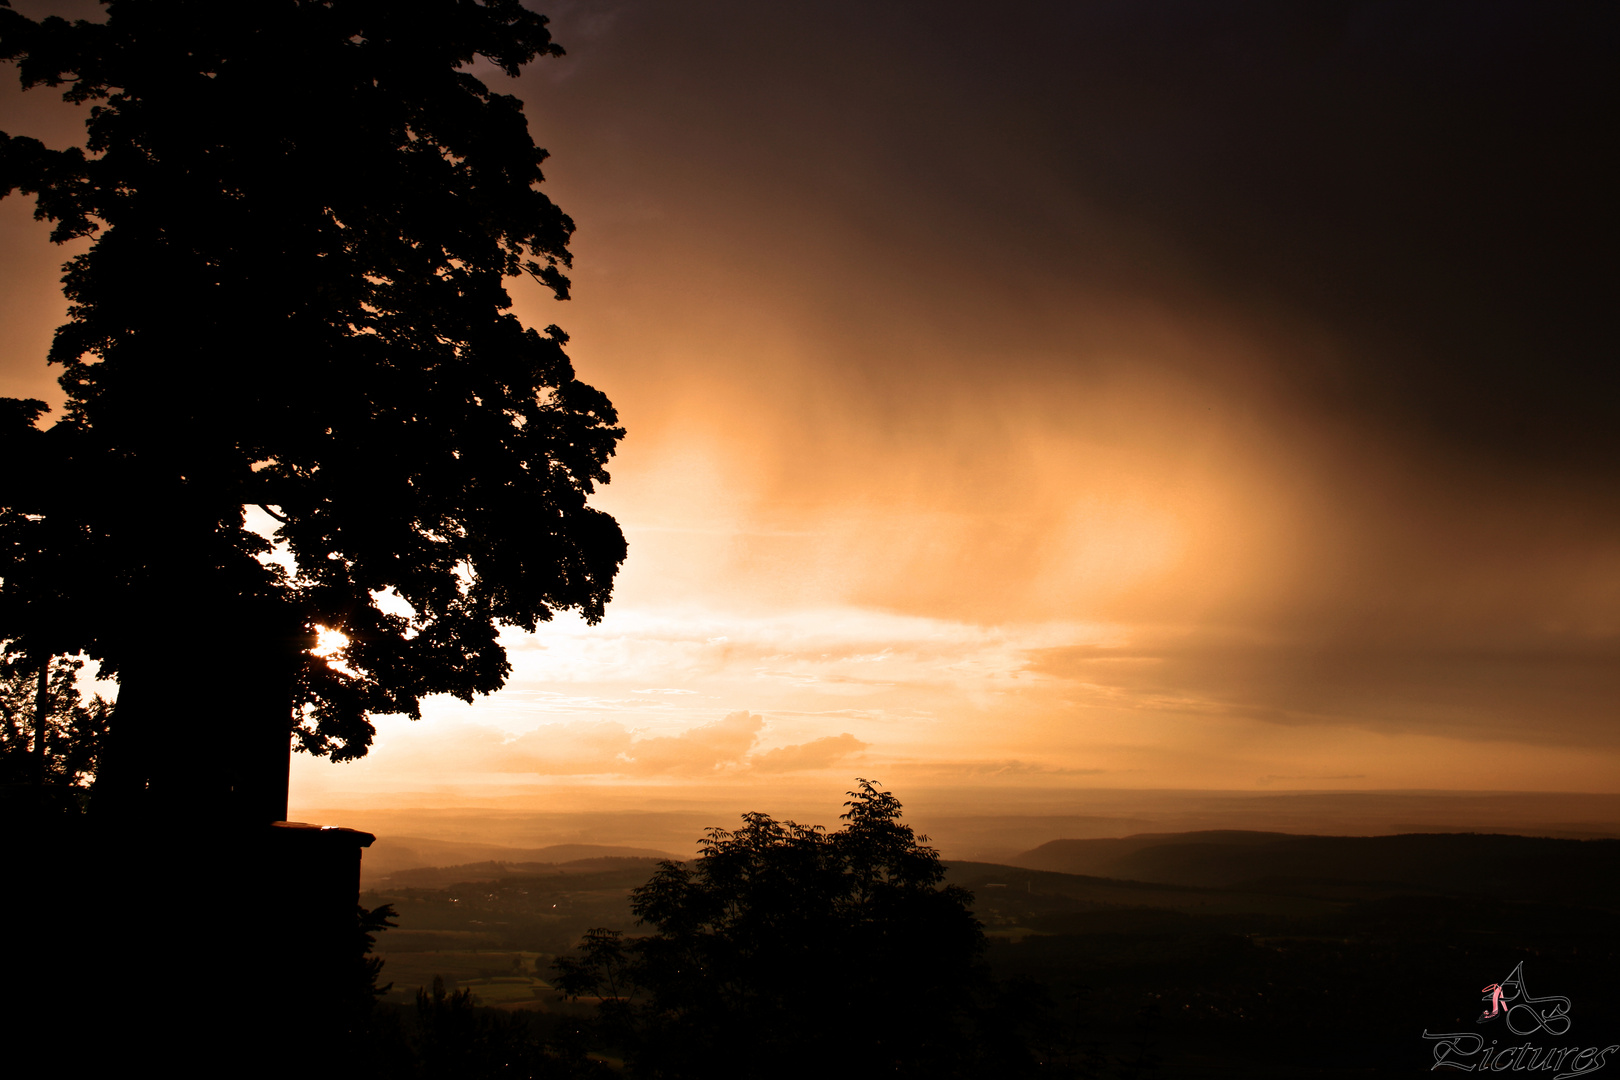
(725,745)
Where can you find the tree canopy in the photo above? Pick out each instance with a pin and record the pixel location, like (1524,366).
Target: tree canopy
(784,949)
(303,215)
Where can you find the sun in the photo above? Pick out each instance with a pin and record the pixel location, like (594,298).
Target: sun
(329,644)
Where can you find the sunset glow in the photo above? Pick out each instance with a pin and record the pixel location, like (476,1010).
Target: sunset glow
(986,474)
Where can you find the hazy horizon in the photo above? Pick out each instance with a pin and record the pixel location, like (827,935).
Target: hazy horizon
(983,823)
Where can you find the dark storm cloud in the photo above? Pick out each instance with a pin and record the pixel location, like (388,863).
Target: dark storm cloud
(1399,216)
(1543,691)
(1431,182)
(1430,185)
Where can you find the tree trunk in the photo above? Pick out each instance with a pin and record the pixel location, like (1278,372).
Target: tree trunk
(42,720)
(204,729)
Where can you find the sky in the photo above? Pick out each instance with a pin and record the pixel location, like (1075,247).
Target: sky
(1060,396)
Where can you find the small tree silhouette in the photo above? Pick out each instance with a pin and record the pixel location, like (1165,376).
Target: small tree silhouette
(784,949)
(43,699)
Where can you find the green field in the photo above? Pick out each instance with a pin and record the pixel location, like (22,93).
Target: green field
(497,934)
(502,978)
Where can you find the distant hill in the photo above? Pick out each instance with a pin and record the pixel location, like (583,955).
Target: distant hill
(390,855)
(439,877)
(1507,867)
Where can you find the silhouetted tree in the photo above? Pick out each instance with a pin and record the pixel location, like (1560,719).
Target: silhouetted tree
(303,214)
(787,950)
(369,922)
(42,698)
